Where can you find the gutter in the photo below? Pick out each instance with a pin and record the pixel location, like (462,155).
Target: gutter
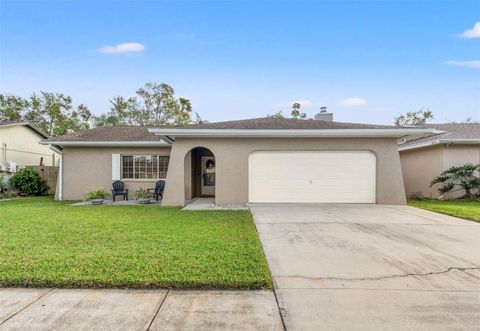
(290,133)
(440,142)
(104,143)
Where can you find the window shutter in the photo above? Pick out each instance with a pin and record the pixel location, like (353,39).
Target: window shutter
(115,166)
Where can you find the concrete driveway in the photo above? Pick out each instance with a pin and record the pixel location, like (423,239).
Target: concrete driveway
(371,267)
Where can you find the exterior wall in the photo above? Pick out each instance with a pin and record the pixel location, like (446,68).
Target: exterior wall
(231,156)
(22,147)
(421,165)
(86,168)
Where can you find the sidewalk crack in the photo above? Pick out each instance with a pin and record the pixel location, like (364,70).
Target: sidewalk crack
(387,276)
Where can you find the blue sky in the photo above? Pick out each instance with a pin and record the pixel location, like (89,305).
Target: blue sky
(365,61)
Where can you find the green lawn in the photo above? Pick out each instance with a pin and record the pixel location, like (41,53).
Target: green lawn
(44,243)
(467,209)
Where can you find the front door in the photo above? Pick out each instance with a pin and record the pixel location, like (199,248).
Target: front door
(207,186)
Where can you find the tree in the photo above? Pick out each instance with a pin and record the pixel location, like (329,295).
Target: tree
(154,104)
(417,118)
(459,178)
(53,113)
(11,107)
(296,113)
(278,114)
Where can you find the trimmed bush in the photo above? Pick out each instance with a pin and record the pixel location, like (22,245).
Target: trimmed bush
(27,180)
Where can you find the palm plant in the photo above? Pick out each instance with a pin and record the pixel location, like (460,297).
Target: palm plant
(459,178)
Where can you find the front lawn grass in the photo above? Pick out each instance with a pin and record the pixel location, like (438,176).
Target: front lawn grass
(44,243)
(468,209)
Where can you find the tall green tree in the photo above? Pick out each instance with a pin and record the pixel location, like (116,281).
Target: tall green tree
(12,107)
(153,104)
(51,112)
(296,113)
(55,114)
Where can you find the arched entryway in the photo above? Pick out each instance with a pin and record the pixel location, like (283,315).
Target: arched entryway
(203,173)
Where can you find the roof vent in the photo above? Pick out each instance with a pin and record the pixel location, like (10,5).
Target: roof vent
(323,115)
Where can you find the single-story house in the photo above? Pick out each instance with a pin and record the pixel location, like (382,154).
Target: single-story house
(19,146)
(263,160)
(425,156)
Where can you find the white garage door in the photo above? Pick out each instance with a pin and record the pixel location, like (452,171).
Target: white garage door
(312,177)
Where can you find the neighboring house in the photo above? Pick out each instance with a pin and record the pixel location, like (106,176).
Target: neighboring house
(264,160)
(19,146)
(426,156)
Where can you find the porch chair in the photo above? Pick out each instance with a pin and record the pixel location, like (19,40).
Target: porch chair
(157,192)
(118,188)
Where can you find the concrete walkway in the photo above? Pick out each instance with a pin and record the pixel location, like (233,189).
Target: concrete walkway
(209,204)
(371,267)
(118,309)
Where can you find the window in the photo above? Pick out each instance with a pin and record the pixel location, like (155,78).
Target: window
(144,166)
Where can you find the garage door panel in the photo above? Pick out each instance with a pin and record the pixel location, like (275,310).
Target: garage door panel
(312,177)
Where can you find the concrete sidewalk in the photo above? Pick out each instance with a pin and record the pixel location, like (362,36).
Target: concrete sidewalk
(121,309)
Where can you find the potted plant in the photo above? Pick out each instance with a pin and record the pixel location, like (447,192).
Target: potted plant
(143,196)
(96,196)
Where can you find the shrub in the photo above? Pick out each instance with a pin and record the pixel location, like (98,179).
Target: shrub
(27,180)
(417,196)
(3,185)
(141,193)
(463,178)
(8,195)
(98,193)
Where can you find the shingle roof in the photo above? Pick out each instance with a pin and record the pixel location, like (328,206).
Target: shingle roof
(452,131)
(110,133)
(272,123)
(140,133)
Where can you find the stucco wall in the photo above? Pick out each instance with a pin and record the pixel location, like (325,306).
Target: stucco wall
(421,165)
(231,156)
(23,147)
(85,168)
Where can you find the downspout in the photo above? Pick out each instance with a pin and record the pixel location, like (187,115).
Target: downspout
(59,188)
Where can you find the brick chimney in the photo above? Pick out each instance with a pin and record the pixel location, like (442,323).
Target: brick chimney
(323,115)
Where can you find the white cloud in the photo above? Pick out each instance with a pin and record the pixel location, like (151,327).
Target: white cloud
(353,102)
(122,48)
(467,64)
(471,33)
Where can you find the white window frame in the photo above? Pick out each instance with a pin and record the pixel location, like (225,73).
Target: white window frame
(133,167)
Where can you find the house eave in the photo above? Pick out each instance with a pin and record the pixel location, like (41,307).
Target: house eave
(105,143)
(288,133)
(439,142)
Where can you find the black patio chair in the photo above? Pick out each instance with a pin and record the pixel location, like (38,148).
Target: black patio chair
(118,188)
(157,192)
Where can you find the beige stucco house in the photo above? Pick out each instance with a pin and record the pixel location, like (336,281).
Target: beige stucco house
(19,146)
(265,160)
(425,156)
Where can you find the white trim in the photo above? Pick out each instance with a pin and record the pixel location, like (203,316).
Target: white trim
(60,171)
(290,133)
(105,143)
(439,142)
(116,166)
